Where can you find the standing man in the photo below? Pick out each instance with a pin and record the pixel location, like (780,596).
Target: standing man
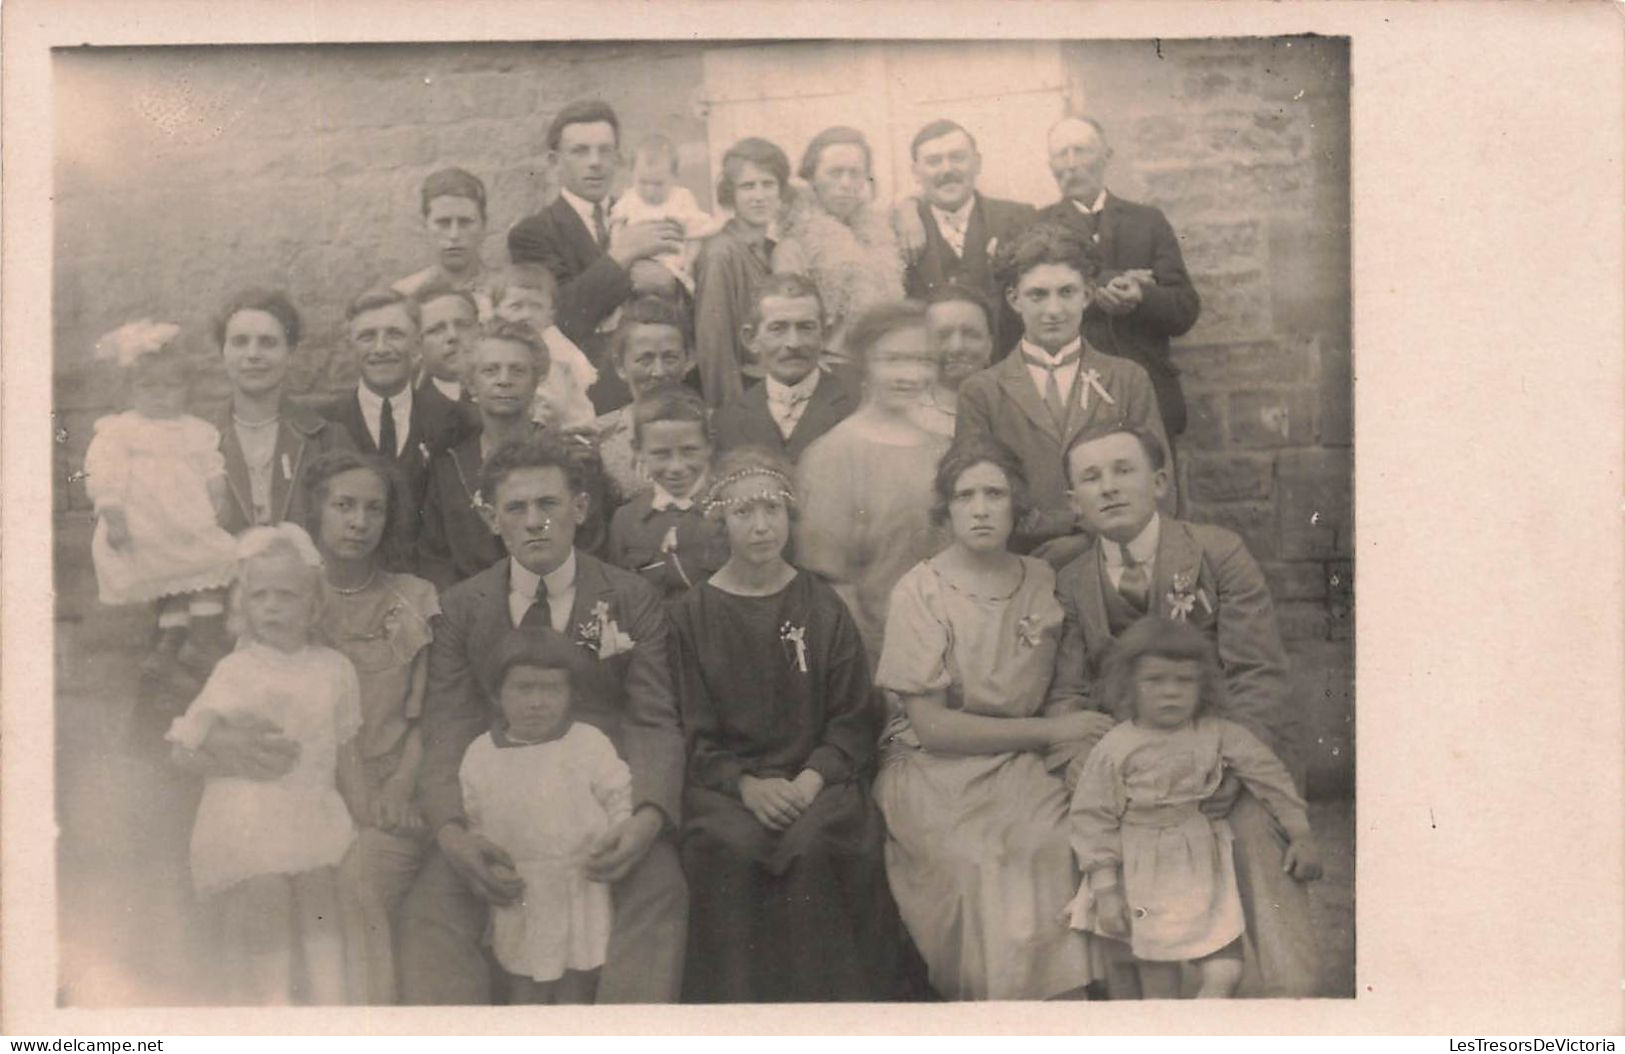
(1145,296)
(385,415)
(536,503)
(596,272)
(963,229)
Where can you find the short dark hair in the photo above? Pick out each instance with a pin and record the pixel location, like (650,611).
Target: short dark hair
(321,471)
(758,152)
(1164,639)
(1148,442)
(1045,243)
(785,287)
(979,448)
(649,311)
(379,298)
(438,290)
(936,130)
(543,451)
(536,647)
(582,111)
(453,183)
(879,321)
(836,135)
(521,333)
(670,401)
(959,292)
(273,302)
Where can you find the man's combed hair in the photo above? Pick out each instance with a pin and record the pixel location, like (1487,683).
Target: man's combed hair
(1148,442)
(785,287)
(583,111)
(543,451)
(650,311)
(936,130)
(453,183)
(521,333)
(374,299)
(670,401)
(1045,243)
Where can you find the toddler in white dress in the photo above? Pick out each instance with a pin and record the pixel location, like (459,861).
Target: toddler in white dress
(545,788)
(656,195)
(527,293)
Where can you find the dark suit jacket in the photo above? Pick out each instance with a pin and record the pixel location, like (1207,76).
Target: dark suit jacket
(1139,236)
(993,222)
(591,285)
(629,696)
(745,419)
(1228,600)
(302,435)
(436,425)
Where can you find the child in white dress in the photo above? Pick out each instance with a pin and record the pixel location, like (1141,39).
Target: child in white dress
(527,293)
(656,195)
(158,481)
(265,852)
(545,788)
(1157,872)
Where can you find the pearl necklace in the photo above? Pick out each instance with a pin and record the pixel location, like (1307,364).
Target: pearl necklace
(268,422)
(358,589)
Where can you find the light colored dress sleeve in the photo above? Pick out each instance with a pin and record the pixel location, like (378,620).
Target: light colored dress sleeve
(1096,819)
(468,774)
(611,778)
(107,462)
(826,532)
(914,659)
(1263,773)
(223,692)
(203,449)
(695,221)
(346,699)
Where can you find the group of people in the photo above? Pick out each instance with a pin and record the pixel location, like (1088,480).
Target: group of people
(785,609)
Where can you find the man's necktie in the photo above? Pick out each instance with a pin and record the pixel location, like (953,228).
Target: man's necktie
(1135,584)
(1052,387)
(785,411)
(539,615)
(954,233)
(599,229)
(386,431)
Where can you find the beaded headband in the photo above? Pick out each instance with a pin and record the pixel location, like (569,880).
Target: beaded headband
(714,503)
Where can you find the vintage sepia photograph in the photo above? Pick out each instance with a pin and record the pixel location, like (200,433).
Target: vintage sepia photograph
(686,521)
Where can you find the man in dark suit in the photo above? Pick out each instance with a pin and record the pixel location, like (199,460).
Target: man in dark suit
(963,229)
(596,272)
(796,401)
(616,619)
(1145,296)
(386,415)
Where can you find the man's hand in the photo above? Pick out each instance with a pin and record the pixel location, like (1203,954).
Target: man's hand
(905,221)
(651,279)
(250,747)
(638,241)
(620,848)
(774,802)
(118,528)
(1302,861)
(807,785)
(1111,913)
(1120,296)
(484,865)
(1217,806)
(1058,552)
(392,809)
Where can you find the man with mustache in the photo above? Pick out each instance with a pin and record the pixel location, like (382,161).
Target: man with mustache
(962,228)
(385,415)
(1145,295)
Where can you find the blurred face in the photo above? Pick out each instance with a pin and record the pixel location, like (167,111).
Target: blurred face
(448,322)
(756,194)
(653,178)
(901,367)
(502,377)
(534,701)
(675,454)
(653,353)
(354,507)
(1114,488)
(980,509)
(587,157)
(1050,299)
(158,386)
(947,168)
(841,179)
(788,339)
(1078,158)
(536,517)
(278,599)
(256,352)
(1166,691)
(962,338)
(757,520)
(523,304)
(384,342)
(457,229)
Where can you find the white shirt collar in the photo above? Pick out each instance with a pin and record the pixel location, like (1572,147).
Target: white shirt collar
(561,590)
(778,391)
(962,214)
(665,499)
(1143,547)
(1029,348)
(1100,203)
(452,390)
(372,411)
(584,207)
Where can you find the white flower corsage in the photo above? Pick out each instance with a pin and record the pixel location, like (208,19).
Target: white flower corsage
(603,635)
(1029,631)
(1184,596)
(794,639)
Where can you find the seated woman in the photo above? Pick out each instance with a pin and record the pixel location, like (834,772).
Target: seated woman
(782,844)
(977,846)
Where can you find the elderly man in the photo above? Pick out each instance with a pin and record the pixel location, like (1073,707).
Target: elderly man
(963,228)
(1144,296)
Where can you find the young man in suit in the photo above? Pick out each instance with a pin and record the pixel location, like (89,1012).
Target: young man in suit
(1141,562)
(963,228)
(796,402)
(1145,294)
(596,272)
(450,319)
(384,415)
(616,619)
(1055,384)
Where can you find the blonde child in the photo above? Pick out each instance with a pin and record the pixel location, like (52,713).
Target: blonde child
(526,294)
(656,195)
(158,481)
(265,853)
(1157,872)
(546,788)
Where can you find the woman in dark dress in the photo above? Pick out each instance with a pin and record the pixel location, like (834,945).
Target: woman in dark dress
(782,842)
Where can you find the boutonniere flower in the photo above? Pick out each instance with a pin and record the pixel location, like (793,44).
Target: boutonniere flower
(602,635)
(287,468)
(1090,378)
(1029,632)
(477,502)
(992,247)
(1184,596)
(423,448)
(794,639)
